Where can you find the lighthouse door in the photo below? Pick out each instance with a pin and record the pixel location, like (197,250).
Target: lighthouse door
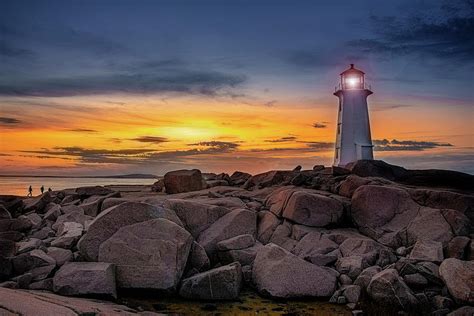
(364,152)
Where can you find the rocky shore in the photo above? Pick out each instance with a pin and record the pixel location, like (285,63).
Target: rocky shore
(374,237)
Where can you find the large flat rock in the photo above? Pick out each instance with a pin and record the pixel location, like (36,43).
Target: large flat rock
(459,278)
(237,222)
(444,199)
(269,178)
(387,287)
(425,178)
(366,248)
(148,255)
(196,217)
(86,278)
(37,303)
(314,243)
(112,219)
(313,209)
(221,283)
(429,224)
(382,212)
(278,273)
(180,181)
(93,190)
(30,260)
(427,250)
(243,256)
(307,207)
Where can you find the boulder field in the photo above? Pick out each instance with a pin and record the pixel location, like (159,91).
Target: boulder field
(369,234)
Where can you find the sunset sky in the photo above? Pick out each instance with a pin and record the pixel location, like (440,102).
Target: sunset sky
(115,87)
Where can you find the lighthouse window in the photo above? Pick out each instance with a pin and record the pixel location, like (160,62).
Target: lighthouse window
(353,81)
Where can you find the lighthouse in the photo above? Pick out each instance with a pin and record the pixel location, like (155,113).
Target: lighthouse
(353,140)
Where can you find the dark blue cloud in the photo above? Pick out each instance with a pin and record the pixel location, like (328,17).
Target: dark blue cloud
(218,146)
(151,139)
(132,155)
(406,145)
(446,36)
(7,50)
(320,124)
(9,121)
(320,145)
(179,81)
(83,130)
(282,139)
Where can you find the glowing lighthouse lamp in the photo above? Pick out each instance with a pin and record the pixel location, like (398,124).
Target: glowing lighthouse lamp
(353,140)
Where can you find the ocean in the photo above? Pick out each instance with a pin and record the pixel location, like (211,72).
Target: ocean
(19,185)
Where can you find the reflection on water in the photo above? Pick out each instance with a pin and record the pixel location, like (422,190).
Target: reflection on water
(250,303)
(19,185)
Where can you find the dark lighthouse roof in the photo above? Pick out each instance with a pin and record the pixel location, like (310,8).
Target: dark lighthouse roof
(352,70)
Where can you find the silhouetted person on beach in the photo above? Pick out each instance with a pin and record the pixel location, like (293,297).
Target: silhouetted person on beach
(49,190)
(42,189)
(30,191)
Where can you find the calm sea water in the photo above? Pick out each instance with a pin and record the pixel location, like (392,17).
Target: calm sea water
(19,185)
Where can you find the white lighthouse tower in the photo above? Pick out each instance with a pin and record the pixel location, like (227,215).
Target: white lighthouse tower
(353,140)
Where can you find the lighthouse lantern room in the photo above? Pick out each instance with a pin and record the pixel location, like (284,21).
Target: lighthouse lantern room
(353,139)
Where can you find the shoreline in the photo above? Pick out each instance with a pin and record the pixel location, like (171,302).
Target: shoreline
(84,177)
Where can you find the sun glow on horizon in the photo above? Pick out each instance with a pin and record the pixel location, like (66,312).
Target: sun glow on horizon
(88,135)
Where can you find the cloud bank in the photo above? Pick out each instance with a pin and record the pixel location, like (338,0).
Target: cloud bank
(406,145)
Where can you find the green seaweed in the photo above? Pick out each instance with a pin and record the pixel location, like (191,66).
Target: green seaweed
(249,303)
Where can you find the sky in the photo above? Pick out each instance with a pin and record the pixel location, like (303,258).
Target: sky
(116,87)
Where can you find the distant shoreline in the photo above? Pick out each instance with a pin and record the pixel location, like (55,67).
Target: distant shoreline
(144,176)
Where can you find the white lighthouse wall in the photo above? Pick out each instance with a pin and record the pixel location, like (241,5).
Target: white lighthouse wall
(353,140)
